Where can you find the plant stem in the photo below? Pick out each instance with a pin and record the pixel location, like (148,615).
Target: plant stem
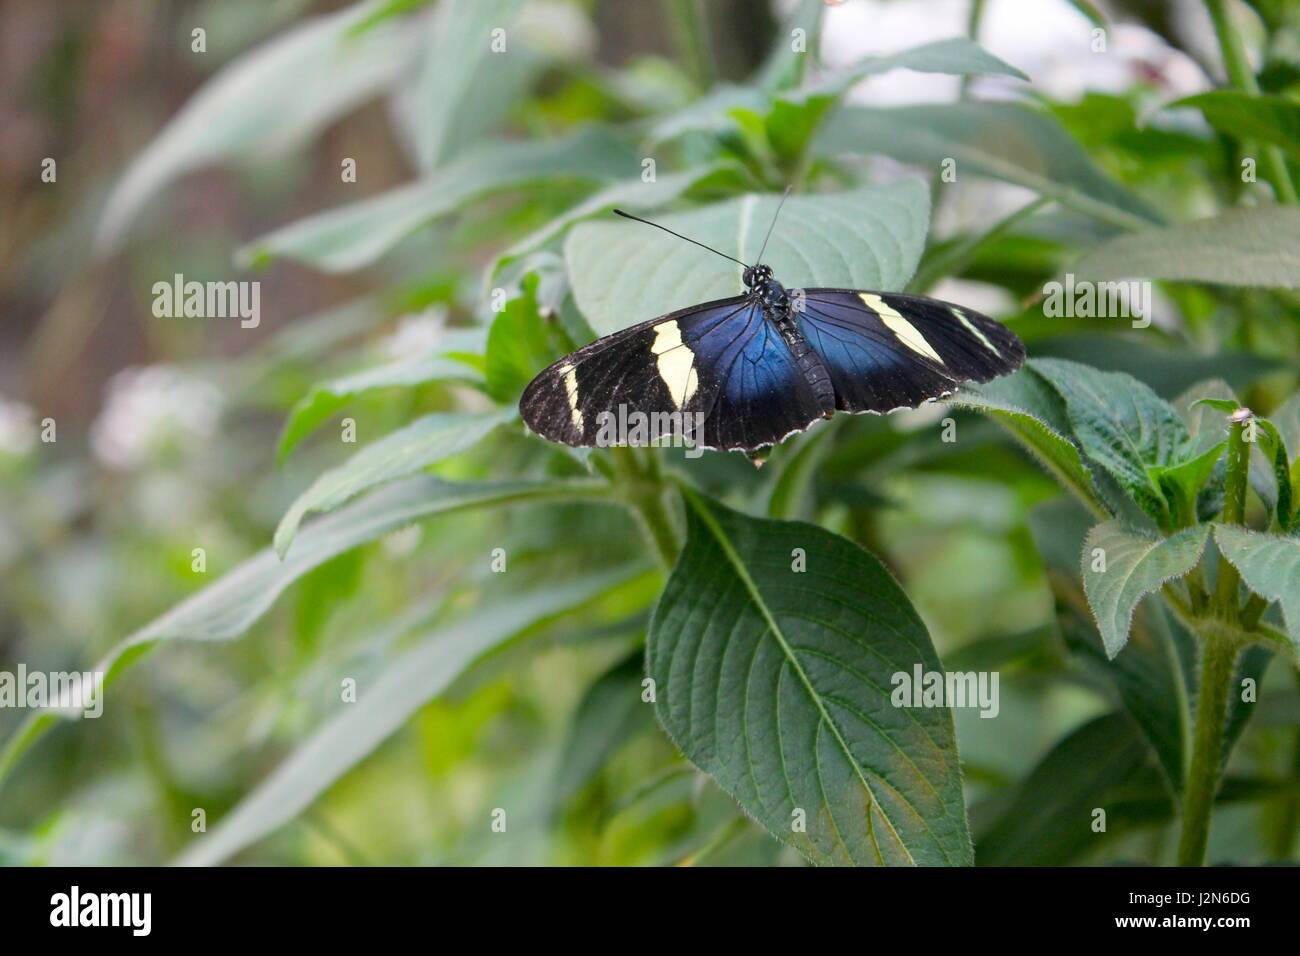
(1219,647)
(1218,667)
(691,32)
(1234,512)
(1240,75)
(644,492)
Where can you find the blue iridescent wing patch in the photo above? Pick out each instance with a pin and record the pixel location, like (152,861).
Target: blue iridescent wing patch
(886,350)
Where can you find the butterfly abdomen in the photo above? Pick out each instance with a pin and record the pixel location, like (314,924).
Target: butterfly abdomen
(806,360)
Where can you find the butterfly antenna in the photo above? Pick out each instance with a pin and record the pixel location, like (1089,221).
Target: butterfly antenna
(784,196)
(628,215)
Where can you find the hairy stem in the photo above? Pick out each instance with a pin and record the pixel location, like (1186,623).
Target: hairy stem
(1218,667)
(1241,76)
(1234,512)
(1219,647)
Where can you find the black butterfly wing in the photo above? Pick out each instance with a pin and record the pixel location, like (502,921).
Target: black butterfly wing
(721,360)
(886,350)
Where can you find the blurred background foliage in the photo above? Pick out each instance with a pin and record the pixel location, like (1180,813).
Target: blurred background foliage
(469,171)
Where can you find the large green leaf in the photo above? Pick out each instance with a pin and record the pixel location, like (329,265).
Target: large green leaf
(1034,414)
(1255,246)
(1270,565)
(422,443)
(1253,116)
(777,682)
(1007,141)
(384,704)
(869,238)
(326,398)
(1049,821)
(349,237)
(263,102)
(1132,566)
(226,608)
(1121,425)
(458,63)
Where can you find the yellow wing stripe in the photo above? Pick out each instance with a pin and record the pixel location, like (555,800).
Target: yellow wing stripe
(903,330)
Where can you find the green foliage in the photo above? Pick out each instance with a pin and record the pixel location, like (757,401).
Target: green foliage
(404,452)
(505,656)
(1120,568)
(1250,247)
(775,679)
(884,225)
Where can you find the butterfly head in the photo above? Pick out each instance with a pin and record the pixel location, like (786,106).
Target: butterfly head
(756,276)
(758,279)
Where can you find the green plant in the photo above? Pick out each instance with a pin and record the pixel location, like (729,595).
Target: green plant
(772,644)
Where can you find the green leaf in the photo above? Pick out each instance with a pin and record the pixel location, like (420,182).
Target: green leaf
(422,443)
(384,704)
(955,55)
(1253,116)
(1273,445)
(869,238)
(1132,566)
(230,605)
(1270,566)
(1049,821)
(785,65)
(1026,406)
(635,193)
(1196,406)
(349,237)
(1287,419)
(517,347)
(797,113)
(610,713)
(1121,425)
(326,398)
(777,683)
(1182,483)
(711,113)
(458,63)
(264,102)
(1151,675)
(1254,246)
(1006,141)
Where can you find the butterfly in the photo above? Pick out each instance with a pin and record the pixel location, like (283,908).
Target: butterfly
(749,371)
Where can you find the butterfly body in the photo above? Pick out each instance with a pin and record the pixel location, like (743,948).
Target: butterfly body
(748,372)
